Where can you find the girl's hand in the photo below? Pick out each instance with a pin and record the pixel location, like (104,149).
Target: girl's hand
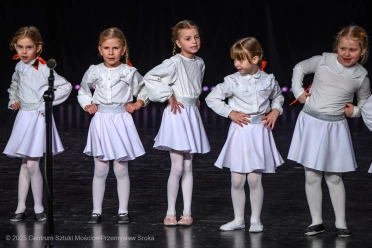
(239,118)
(91,108)
(271,118)
(16,105)
(131,107)
(175,106)
(349,109)
(302,98)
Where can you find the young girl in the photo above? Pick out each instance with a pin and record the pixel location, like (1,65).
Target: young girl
(178,80)
(27,140)
(255,101)
(321,140)
(112,134)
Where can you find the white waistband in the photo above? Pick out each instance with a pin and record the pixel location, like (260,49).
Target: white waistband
(187,101)
(30,106)
(111,109)
(256,119)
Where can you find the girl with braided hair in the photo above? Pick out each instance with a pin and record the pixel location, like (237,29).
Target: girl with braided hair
(178,80)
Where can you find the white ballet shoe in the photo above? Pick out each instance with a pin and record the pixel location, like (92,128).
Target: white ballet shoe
(256,227)
(232,225)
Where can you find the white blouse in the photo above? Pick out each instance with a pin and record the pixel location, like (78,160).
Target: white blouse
(112,86)
(333,86)
(29,85)
(177,75)
(254,95)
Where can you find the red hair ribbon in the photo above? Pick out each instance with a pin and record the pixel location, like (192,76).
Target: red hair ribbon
(16,57)
(129,63)
(307,90)
(263,65)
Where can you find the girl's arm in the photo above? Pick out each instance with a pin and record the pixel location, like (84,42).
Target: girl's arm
(62,89)
(14,103)
(299,71)
(277,101)
(158,81)
(363,93)
(139,91)
(85,96)
(215,100)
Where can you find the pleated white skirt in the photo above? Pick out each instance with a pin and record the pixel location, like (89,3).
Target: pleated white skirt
(182,131)
(322,145)
(28,137)
(249,148)
(113,136)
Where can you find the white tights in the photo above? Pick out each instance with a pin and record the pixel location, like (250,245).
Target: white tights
(101,170)
(238,195)
(30,174)
(336,188)
(181,167)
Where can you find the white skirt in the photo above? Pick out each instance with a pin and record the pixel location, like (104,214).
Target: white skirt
(182,131)
(28,137)
(322,145)
(113,136)
(249,148)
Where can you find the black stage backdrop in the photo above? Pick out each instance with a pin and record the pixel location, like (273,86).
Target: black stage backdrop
(289,31)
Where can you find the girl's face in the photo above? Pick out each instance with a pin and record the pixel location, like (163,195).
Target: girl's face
(112,50)
(26,49)
(245,67)
(189,42)
(348,51)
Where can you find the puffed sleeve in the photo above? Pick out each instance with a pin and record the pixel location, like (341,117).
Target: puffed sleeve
(215,99)
(13,90)
(300,70)
(158,81)
(139,89)
(276,96)
(88,82)
(363,93)
(62,89)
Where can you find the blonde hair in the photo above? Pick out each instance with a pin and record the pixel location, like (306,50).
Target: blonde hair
(357,33)
(185,24)
(114,32)
(247,48)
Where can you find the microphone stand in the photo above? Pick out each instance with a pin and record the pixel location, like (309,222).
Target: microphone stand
(48,98)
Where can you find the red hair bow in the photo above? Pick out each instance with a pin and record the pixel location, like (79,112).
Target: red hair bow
(263,65)
(129,63)
(16,57)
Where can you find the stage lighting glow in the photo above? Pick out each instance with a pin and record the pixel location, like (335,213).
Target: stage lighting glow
(284,89)
(77,87)
(205,88)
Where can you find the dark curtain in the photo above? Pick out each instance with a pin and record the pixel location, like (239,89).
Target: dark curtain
(289,31)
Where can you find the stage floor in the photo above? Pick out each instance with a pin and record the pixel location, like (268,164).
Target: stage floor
(285,212)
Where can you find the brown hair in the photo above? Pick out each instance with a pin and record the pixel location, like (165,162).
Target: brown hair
(247,48)
(33,34)
(185,24)
(114,32)
(357,33)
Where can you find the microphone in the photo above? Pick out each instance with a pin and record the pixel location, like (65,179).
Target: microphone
(51,64)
